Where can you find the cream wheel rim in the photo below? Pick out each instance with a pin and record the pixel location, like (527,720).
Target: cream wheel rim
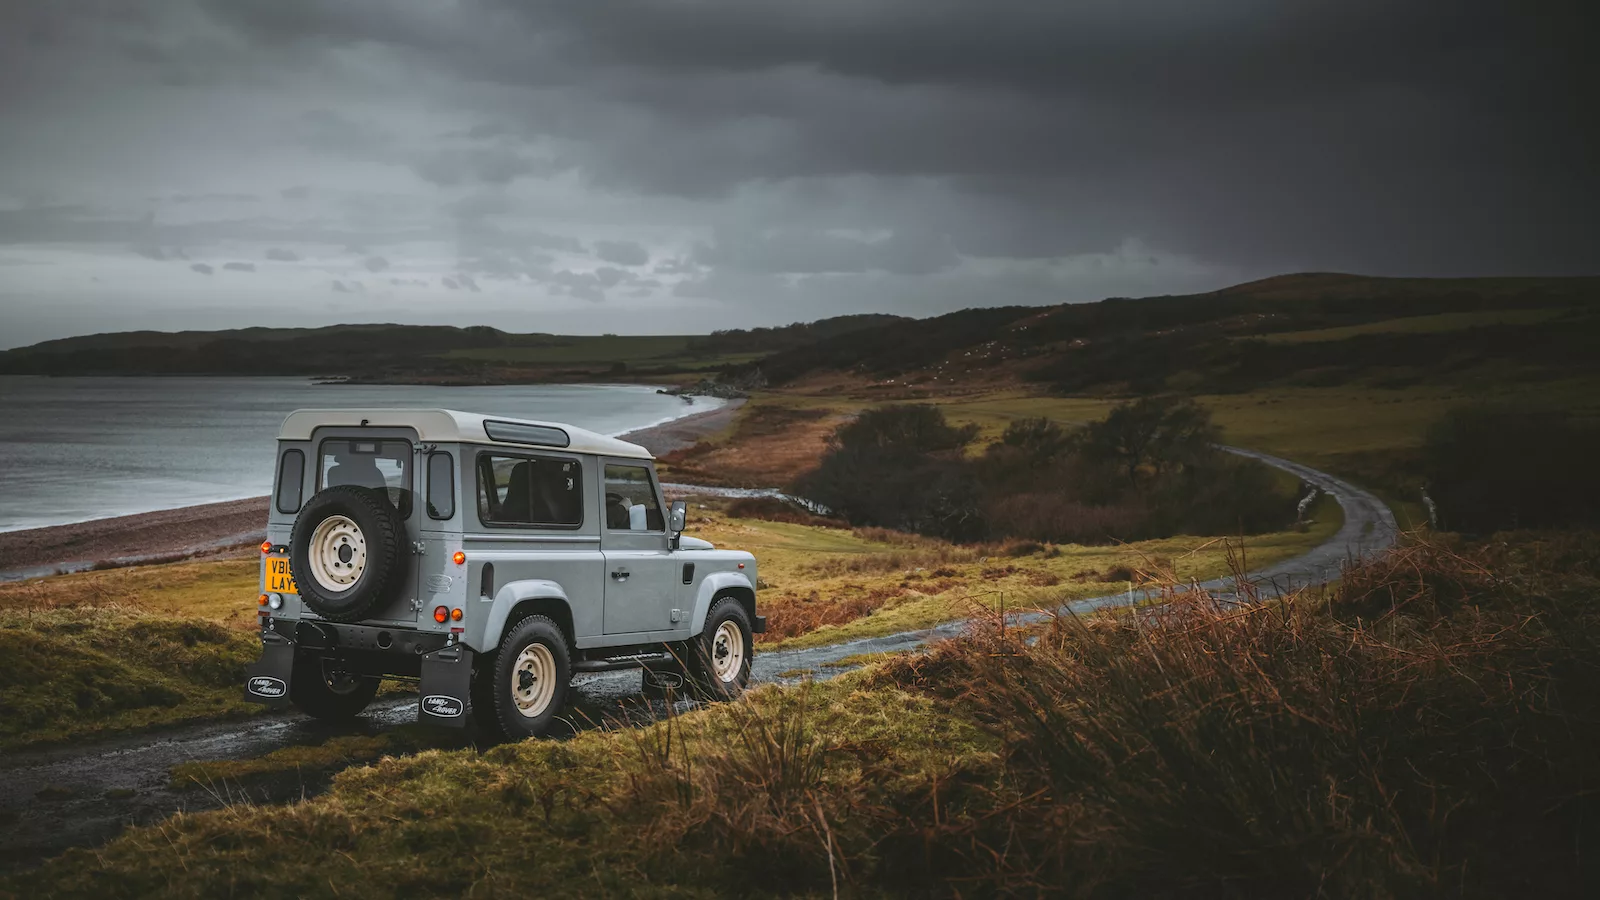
(338,554)
(533,680)
(727,652)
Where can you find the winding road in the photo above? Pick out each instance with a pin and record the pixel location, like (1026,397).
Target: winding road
(83,795)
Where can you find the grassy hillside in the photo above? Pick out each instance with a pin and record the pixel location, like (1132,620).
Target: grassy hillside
(1428,728)
(1231,340)
(413,352)
(121,649)
(1311,329)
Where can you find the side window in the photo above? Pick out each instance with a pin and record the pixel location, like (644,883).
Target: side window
(530,490)
(383,465)
(441,486)
(291,481)
(631,500)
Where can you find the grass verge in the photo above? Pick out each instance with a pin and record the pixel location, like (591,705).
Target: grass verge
(1427,727)
(80,672)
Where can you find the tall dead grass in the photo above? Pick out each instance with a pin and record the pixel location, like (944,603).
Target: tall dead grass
(1427,728)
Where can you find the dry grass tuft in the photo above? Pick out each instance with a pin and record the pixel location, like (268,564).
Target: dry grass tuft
(1427,726)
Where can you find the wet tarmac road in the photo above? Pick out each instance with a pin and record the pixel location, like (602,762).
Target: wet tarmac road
(84,794)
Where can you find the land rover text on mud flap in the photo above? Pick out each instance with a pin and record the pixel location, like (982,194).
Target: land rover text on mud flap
(490,559)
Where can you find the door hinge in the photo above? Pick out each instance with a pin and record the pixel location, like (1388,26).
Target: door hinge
(416,605)
(418,548)
(677,614)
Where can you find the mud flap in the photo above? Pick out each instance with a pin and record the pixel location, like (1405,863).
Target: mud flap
(446,687)
(267,680)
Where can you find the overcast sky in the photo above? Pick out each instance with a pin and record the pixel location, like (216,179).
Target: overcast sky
(655,166)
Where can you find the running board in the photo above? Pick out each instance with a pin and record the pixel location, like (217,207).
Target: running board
(611,664)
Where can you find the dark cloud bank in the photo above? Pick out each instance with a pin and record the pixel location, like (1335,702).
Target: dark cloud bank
(778,159)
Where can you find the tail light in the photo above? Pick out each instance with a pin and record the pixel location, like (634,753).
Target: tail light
(441,613)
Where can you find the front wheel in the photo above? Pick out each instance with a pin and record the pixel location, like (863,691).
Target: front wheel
(322,692)
(529,678)
(719,659)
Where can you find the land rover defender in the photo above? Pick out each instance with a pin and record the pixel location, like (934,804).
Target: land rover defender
(490,559)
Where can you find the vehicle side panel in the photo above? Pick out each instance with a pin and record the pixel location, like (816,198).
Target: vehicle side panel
(529,562)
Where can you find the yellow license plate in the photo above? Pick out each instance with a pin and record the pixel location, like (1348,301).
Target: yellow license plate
(278,580)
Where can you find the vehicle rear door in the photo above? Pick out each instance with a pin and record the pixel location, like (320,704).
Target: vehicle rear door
(390,460)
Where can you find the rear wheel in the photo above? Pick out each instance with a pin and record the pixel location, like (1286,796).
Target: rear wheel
(529,678)
(720,658)
(321,691)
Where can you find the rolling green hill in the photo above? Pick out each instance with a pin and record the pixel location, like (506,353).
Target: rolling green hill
(1307,330)
(1316,329)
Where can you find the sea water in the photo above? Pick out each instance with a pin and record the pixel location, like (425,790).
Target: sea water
(74,449)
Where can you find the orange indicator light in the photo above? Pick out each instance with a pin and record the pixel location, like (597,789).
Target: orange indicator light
(460,558)
(266,546)
(455,614)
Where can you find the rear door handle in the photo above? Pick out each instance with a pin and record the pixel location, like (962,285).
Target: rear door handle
(620,574)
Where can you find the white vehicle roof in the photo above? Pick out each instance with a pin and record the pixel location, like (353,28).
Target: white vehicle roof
(449,426)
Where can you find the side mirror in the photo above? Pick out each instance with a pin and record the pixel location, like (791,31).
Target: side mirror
(676,519)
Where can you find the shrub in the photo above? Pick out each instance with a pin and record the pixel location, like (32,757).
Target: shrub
(772,509)
(900,467)
(1490,469)
(1148,470)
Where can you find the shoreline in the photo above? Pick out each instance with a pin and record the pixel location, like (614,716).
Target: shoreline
(228,527)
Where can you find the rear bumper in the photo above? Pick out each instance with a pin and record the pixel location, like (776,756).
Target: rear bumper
(363,649)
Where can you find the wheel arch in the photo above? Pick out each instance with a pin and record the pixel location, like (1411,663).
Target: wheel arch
(722,584)
(518,600)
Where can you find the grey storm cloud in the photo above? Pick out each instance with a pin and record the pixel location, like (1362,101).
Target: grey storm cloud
(623,253)
(784,160)
(376,264)
(791,250)
(239,267)
(202,268)
(484,165)
(1362,133)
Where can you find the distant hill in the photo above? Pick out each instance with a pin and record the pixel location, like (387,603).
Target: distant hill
(385,352)
(1312,328)
(1224,340)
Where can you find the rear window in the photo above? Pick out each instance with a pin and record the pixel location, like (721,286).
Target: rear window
(441,486)
(530,490)
(291,480)
(383,465)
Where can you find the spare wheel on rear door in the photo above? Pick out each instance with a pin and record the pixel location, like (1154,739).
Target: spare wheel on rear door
(347,553)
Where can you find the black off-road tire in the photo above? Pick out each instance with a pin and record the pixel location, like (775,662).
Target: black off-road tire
(384,573)
(511,677)
(712,672)
(328,695)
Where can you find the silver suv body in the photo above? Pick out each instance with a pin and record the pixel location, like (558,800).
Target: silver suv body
(490,558)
